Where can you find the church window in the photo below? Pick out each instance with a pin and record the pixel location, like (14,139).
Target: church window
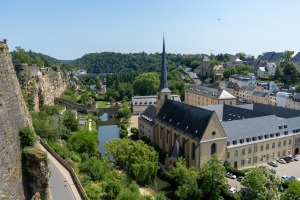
(213,148)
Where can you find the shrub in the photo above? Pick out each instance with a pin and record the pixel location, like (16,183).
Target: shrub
(134,131)
(123,133)
(27,137)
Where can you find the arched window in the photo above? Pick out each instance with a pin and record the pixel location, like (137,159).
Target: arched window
(166,96)
(213,148)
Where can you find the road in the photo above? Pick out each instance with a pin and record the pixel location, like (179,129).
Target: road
(61,183)
(58,185)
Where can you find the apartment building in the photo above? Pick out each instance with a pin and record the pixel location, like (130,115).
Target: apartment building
(198,95)
(260,97)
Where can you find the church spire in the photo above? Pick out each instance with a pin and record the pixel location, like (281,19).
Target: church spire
(163,76)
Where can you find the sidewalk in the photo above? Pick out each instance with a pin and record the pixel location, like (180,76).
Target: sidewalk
(65,173)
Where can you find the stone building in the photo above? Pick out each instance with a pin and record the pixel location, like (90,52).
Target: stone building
(198,95)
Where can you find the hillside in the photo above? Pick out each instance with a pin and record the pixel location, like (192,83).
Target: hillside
(116,62)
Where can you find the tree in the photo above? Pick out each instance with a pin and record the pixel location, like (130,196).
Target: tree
(138,158)
(146,84)
(21,56)
(70,121)
(290,71)
(84,141)
(124,112)
(98,83)
(38,61)
(186,178)
(287,56)
(293,191)
(297,87)
(212,176)
(262,183)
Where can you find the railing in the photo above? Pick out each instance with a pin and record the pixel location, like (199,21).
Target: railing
(68,167)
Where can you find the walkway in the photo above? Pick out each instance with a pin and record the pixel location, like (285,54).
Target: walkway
(61,182)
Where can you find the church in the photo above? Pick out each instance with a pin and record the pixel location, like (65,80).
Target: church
(180,129)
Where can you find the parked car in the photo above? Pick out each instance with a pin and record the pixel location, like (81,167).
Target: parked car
(288,178)
(282,161)
(240,178)
(273,163)
(230,175)
(233,190)
(295,158)
(242,100)
(287,160)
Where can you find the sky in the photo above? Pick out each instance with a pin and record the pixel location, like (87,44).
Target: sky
(69,29)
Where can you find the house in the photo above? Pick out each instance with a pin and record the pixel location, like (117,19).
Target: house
(268,57)
(296,61)
(246,92)
(234,61)
(198,95)
(205,68)
(260,97)
(268,86)
(233,88)
(268,70)
(243,80)
(273,98)
(293,101)
(218,72)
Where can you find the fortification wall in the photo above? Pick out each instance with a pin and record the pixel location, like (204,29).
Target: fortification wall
(41,85)
(13,117)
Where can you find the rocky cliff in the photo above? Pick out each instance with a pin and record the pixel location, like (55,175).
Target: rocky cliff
(13,117)
(41,85)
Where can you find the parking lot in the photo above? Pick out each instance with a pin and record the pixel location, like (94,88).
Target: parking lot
(289,169)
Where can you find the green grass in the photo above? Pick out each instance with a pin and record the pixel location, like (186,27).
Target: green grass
(102,104)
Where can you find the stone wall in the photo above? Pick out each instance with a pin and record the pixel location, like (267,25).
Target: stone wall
(41,85)
(13,117)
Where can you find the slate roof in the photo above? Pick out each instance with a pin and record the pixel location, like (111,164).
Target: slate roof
(211,92)
(150,100)
(259,94)
(276,57)
(296,58)
(191,120)
(149,115)
(250,88)
(176,151)
(258,128)
(232,85)
(231,113)
(206,58)
(276,110)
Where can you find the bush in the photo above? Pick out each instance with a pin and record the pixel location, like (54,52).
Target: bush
(27,137)
(123,133)
(134,131)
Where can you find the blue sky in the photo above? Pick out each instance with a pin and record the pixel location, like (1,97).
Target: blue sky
(67,29)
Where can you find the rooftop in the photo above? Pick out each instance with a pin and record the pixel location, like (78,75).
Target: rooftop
(211,92)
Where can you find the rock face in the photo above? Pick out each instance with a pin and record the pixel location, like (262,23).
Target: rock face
(38,172)
(41,85)
(13,117)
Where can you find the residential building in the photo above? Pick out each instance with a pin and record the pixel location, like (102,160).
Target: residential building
(246,92)
(268,70)
(260,97)
(273,98)
(268,57)
(233,88)
(243,80)
(296,61)
(205,68)
(218,72)
(293,101)
(234,61)
(198,95)
(282,98)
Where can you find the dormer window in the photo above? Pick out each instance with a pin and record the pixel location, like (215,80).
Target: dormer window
(242,141)
(234,142)
(285,126)
(248,139)
(277,134)
(228,143)
(271,135)
(254,138)
(280,126)
(286,132)
(260,137)
(266,136)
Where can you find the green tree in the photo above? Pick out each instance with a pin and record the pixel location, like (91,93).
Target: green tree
(297,87)
(262,183)
(146,84)
(38,61)
(212,176)
(292,192)
(21,56)
(98,83)
(138,158)
(27,137)
(186,179)
(84,141)
(95,168)
(70,121)
(287,56)
(290,71)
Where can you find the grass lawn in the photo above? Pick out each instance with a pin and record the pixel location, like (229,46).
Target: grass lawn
(102,104)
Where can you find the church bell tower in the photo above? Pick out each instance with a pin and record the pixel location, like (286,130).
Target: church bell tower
(163,92)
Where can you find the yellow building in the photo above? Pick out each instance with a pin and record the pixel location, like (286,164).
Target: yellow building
(198,95)
(273,99)
(293,101)
(246,92)
(260,97)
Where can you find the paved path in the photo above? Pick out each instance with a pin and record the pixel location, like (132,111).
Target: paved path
(61,181)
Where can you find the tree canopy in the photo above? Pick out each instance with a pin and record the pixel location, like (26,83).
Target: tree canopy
(146,84)
(84,141)
(138,158)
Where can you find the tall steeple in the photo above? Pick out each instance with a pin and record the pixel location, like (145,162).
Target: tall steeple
(163,92)
(163,76)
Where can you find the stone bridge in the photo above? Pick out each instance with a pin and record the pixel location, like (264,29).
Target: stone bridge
(75,106)
(109,111)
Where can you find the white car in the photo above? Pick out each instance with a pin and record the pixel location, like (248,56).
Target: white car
(233,190)
(242,100)
(282,161)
